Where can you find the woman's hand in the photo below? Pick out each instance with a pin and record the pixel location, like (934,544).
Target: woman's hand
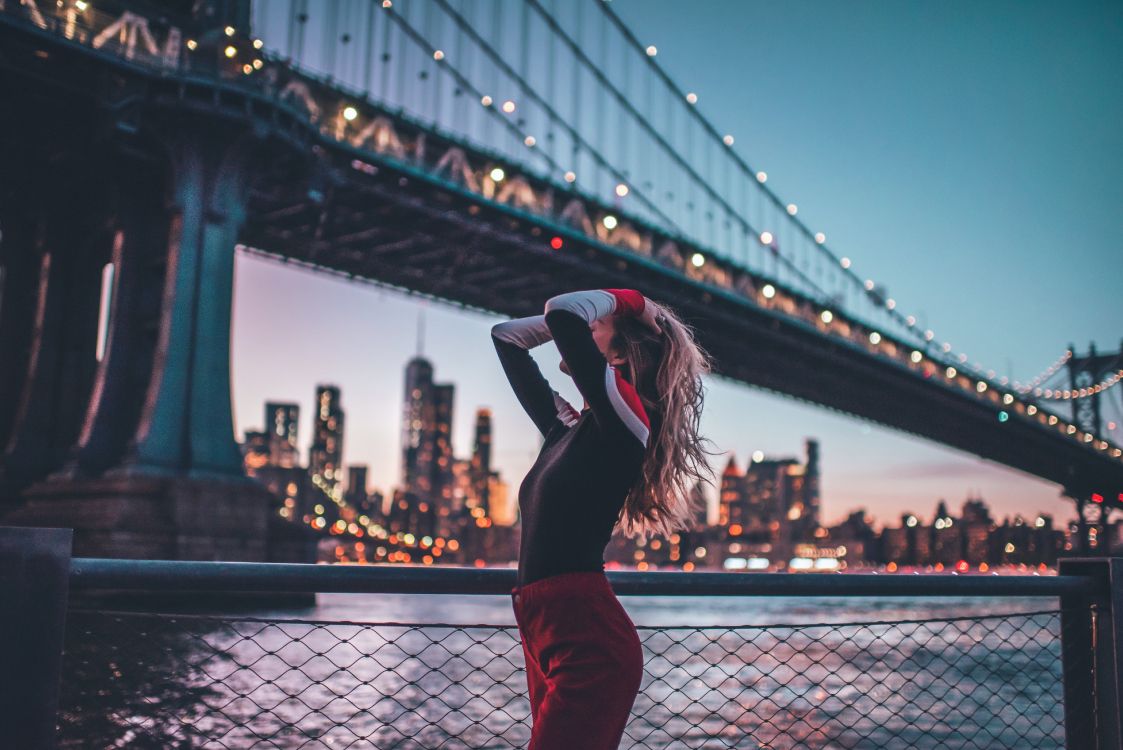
(651,313)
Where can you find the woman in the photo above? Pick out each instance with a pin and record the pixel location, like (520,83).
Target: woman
(628,458)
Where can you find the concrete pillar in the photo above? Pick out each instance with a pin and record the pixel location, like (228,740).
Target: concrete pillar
(141,261)
(71,249)
(186,423)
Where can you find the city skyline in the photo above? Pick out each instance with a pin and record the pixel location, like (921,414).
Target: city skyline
(448,510)
(426,438)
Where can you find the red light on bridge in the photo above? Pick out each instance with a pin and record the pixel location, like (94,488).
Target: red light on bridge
(1097,497)
(962,566)
(556,243)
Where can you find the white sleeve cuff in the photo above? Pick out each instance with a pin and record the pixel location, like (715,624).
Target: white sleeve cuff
(523,332)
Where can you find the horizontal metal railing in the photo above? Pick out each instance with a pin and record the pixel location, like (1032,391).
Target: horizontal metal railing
(175,575)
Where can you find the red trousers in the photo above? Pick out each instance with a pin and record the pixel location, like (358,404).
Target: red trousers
(583,661)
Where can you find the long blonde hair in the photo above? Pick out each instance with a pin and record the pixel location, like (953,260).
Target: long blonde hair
(666,370)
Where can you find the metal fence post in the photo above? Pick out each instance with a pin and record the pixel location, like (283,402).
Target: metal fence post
(34,584)
(1092,650)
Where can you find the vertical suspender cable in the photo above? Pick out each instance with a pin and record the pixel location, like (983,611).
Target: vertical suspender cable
(368,48)
(385,57)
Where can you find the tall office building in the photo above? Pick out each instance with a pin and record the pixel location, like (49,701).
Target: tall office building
(481,463)
(356,483)
(773,502)
(281,421)
(326,455)
(427,470)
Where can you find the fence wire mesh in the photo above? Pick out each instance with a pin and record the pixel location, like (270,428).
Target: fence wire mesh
(181,681)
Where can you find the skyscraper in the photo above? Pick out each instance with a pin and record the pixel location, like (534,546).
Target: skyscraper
(325,457)
(481,463)
(774,502)
(427,470)
(281,421)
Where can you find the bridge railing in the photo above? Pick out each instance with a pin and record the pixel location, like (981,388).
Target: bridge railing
(144,673)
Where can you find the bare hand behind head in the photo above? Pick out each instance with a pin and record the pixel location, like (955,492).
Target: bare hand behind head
(651,313)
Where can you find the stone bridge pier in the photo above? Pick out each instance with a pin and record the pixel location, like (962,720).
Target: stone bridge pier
(115,408)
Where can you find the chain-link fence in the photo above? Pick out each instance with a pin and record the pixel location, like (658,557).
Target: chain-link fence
(181,681)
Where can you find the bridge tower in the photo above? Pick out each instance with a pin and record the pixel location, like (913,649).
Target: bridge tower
(1085,372)
(120,207)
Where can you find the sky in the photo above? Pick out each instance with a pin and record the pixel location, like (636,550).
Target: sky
(965,155)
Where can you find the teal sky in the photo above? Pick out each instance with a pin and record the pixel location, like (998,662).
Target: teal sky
(966,155)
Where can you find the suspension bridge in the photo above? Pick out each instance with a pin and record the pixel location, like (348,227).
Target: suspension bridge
(488,155)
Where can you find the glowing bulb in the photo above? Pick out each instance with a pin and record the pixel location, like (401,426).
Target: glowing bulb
(192,44)
(387,4)
(910,321)
(758,456)
(727,140)
(821,238)
(230,51)
(350,113)
(651,51)
(766,238)
(1007,399)
(869,285)
(529,141)
(609,222)
(570,177)
(229,31)
(692,98)
(929,335)
(768,291)
(698,260)
(247,68)
(498,174)
(1031,410)
(980,386)
(258,64)
(508,106)
(916,356)
(485,100)
(793,209)
(951,372)
(762,177)
(258,44)
(621,190)
(845,263)
(826,316)
(81,5)
(438,55)
(875,337)
(890,303)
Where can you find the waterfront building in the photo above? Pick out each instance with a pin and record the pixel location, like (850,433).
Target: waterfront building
(325,459)
(281,422)
(481,474)
(255,451)
(427,469)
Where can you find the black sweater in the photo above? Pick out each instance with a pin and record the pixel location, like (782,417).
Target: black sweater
(572,495)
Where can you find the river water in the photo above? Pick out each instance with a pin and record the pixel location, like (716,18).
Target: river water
(419,671)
